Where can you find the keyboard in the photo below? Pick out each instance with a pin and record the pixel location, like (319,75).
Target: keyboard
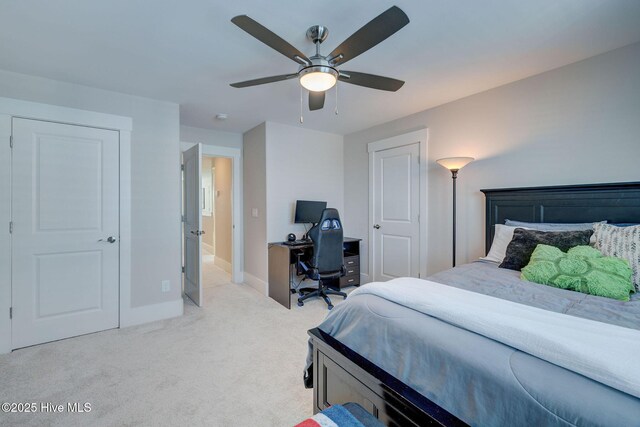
(297,243)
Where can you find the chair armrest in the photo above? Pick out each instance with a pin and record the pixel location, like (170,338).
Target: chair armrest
(308,270)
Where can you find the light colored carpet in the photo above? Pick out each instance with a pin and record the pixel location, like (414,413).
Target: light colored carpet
(237,361)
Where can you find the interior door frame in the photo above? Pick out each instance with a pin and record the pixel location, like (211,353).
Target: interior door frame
(237,236)
(10,108)
(419,136)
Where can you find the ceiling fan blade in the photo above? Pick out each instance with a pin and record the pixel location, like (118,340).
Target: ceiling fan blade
(370,80)
(269,38)
(316,100)
(377,30)
(264,80)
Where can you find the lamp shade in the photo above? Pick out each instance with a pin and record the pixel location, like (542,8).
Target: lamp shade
(318,78)
(454,163)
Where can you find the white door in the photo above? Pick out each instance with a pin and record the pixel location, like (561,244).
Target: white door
(396,209)
(192,160)
(65,213)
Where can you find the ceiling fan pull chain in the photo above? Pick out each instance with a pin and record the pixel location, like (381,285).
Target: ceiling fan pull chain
(336,111)
(301,118)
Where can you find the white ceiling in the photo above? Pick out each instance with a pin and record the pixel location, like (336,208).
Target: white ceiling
(188,51)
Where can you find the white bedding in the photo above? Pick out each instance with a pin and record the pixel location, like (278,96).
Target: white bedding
(605,353)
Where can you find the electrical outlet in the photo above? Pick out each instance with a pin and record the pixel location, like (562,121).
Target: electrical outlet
(166,286)
(254,212)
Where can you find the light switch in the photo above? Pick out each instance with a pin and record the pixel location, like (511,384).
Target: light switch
(254,212)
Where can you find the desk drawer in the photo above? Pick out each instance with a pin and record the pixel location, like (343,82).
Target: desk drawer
(350,280)
(352,261)
(352,271)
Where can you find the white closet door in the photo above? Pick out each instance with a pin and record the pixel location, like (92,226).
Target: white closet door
(396,192)
(65,212)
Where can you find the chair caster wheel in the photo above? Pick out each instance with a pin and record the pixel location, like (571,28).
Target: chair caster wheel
(344,297)
(330,307)
(300,303)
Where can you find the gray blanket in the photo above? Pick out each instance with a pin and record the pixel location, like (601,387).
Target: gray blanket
(486,278)
(479,380)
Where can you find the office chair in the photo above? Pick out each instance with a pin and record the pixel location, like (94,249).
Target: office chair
(327,261)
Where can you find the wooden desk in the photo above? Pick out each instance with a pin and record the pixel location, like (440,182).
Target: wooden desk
(282,267)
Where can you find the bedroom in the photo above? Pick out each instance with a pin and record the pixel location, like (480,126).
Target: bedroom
(543,96)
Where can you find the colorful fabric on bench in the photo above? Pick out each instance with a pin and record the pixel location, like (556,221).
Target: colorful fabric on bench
(335,416)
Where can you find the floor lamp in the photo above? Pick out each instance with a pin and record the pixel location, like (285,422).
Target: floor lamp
(454,164)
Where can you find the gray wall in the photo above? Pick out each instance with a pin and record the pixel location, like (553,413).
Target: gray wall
(210,137)
(576,124)
(302,164)
(155,175)
(255,196)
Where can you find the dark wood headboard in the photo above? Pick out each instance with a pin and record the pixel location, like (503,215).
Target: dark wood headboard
(616,203)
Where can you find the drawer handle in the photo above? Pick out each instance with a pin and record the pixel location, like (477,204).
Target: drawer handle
(350,262)
(350,271)
(350,280)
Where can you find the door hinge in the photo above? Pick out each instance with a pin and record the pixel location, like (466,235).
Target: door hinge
(182,269)
(183,219)
(10,141)
(418,275)
(418,218)
(10,227)
(10,312)
(181,167)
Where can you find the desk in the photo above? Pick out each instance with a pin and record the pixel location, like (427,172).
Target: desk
(282,267)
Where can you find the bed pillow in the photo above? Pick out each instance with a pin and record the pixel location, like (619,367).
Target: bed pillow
(553,226)
(501,238)
(581,269)
(620,242)
(556,226)
(524,242)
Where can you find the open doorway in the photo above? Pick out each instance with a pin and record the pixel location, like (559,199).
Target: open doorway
(217,221)
(211,218)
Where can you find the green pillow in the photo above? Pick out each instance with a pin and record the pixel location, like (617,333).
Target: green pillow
(582,269)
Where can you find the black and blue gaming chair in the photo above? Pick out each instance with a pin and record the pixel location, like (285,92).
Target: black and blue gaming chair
(327,261)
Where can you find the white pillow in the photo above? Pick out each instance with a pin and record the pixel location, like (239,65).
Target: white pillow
(501,239)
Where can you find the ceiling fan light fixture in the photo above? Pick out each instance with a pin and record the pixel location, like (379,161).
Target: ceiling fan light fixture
(318,78)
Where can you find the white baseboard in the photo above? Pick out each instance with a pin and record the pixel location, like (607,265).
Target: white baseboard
(223,264)
(257,284)
(205,254)
(152,312)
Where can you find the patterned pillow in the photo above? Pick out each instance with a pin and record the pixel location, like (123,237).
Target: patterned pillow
(620,242)
(525,241)
(581,269)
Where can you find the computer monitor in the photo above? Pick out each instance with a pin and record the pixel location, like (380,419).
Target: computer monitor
(309,212)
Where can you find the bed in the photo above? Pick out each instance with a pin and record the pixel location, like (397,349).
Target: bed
(408,368)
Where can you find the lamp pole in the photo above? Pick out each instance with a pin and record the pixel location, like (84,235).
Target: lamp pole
(454,164)
(454,178)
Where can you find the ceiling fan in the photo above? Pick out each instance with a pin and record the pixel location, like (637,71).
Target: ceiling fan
(319,73)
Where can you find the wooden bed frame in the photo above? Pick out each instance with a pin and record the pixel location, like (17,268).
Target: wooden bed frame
(341,375)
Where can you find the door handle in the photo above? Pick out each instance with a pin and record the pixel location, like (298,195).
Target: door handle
(197,232)
(109,239)
(377,226)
